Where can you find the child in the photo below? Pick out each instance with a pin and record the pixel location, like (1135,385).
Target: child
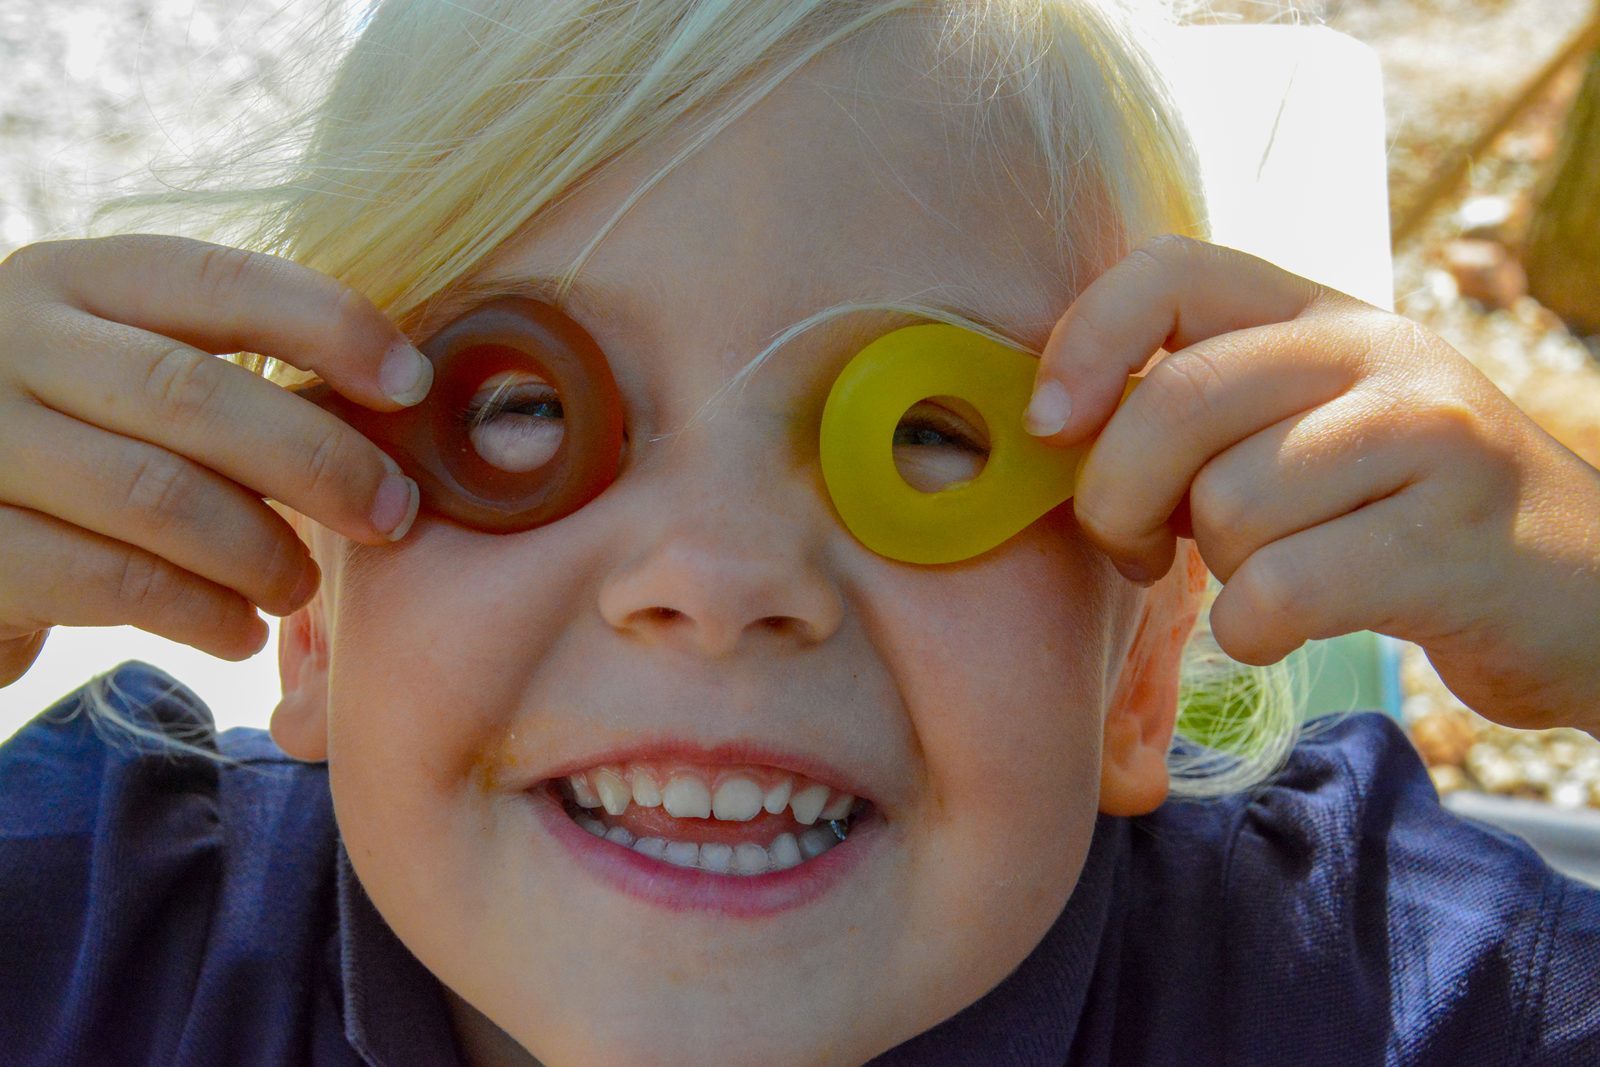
(853,808)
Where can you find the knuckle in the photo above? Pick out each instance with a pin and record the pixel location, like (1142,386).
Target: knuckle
(1326,302)
(1145,257)
(1448,430)
(160,489)
(1090,328)
(1403,338)
(182,383)
(350,315)
(1221,504)
(1451,421)
(222,270)
(328,461)
(217,607)
(1184,384)
(1400,347)
(1266,585)
(1100,519)
(1165,248)
(1146,261)
(143,581)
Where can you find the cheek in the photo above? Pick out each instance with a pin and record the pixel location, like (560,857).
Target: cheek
(430,663)
(1006,666)
(1004,672)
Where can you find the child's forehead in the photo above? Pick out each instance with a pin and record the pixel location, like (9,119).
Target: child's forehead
(842,184)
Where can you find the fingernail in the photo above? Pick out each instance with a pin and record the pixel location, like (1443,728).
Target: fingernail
(1049,409)
(395,508)
(405,375)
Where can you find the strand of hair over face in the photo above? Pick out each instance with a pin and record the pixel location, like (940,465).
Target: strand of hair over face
(445,128)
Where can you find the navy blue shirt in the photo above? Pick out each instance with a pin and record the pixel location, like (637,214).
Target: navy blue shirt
(160,909)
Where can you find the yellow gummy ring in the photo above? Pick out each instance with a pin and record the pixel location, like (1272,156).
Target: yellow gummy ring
(1022,479)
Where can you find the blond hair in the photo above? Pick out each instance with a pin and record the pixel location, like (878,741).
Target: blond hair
(396,180)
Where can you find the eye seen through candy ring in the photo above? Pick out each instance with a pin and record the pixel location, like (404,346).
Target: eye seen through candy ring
(524,425)
(486,362)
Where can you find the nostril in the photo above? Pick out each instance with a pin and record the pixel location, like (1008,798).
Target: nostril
(664,614)
(775,622)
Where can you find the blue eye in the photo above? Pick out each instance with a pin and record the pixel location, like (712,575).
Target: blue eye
(522,395)
(929,426)
(934,448)
(923,435)
(515,422)
(547,406)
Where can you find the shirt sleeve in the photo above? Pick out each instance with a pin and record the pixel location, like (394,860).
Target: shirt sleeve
(1399,932)
(110,850)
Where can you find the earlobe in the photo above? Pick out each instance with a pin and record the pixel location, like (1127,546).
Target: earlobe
(1144,708)
(300,721)
(1133,768)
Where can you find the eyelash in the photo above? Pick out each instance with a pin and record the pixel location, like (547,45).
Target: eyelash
(945,426)
(480,411)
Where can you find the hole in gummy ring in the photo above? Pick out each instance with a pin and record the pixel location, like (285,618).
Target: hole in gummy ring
(940,442)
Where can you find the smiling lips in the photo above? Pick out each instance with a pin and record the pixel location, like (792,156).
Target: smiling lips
(746,820)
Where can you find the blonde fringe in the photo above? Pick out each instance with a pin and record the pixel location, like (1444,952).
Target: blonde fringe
(393,180)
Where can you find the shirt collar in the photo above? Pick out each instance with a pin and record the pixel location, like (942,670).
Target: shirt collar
(394,1007)
(395,1013)
(1031,1018)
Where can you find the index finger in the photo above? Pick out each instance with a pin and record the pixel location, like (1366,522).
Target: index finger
(1167,294)
(221,299)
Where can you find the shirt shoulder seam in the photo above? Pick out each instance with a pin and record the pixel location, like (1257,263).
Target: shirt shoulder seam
(1533,994)
(1230,851)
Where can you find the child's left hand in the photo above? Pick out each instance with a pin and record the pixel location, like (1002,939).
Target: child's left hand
(1340,468)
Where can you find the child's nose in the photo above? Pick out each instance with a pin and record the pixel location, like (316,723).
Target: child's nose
(727,565)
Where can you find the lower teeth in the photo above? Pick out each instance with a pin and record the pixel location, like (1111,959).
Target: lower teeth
(747,858)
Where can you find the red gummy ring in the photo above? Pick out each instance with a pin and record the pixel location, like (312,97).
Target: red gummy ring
(430,441)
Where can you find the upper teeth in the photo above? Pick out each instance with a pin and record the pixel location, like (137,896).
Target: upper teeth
(645,792)
(614,792)
(686,798)
(738,796)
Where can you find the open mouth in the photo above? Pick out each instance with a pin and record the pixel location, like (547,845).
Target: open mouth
(744,821)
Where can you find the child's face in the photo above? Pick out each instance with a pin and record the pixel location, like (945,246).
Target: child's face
(710,598)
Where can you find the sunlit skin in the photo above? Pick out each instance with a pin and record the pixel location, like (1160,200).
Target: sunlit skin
(711,595)
(1338,467)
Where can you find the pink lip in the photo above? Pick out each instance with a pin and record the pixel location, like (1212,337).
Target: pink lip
(679,889)
(732,753)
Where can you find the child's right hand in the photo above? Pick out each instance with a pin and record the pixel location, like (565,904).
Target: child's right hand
(133,464)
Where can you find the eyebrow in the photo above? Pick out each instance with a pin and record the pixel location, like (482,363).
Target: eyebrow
(589,297)
(599,302)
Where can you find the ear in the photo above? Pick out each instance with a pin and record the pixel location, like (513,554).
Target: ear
(300,721)
(1144,708)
